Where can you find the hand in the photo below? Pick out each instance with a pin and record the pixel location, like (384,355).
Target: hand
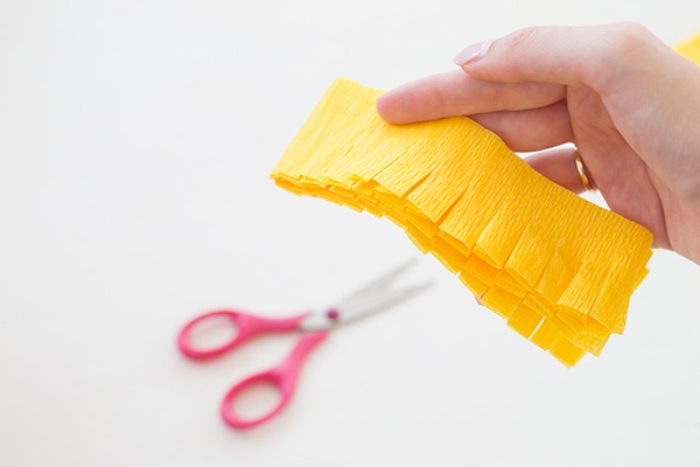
(627,101)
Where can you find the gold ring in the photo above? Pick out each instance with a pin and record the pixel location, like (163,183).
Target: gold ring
(581,169)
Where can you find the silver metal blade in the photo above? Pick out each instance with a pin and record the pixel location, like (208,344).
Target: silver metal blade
(376,296)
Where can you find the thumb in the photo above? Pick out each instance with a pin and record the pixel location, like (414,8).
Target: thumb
(590,56)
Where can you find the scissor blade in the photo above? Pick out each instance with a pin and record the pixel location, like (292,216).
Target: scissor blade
(376,296)
(380,283)
(376,301)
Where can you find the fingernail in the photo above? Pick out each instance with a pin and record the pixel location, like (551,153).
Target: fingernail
(473,53)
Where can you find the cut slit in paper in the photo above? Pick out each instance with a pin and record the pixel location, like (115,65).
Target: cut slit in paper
(558,268)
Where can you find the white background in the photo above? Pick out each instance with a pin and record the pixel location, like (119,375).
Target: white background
(136,139)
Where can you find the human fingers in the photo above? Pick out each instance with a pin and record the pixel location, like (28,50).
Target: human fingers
(457,93)
(559,165)
(588,56)
(532,129)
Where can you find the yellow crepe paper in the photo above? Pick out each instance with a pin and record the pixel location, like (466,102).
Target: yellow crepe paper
(690,49)
(559,269)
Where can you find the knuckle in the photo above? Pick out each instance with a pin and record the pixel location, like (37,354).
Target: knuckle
(517,43)
(621,50)
(626,39)
(519,38)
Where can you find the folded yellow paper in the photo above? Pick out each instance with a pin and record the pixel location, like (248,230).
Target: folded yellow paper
(558,268)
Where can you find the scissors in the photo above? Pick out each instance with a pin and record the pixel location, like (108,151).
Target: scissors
(314,327)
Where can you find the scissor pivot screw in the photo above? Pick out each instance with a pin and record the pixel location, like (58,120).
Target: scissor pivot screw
(333,314)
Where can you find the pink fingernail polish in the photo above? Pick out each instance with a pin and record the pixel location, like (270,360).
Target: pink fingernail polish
(472,53)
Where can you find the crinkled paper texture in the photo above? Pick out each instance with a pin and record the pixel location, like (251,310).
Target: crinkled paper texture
(559,269)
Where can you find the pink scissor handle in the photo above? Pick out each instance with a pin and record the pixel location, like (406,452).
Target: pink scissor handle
(246,325)
(283,377)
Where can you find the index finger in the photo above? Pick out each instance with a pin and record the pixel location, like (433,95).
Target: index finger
(457,93)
